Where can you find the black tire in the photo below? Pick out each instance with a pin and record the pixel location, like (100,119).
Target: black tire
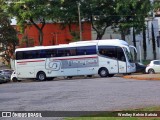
(126,73)
(41,76)
(69,77)
(89,76)
(50,78)
(110,75)
(14,79)
(103,72)
(151,71)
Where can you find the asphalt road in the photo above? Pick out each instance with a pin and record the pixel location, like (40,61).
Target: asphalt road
(94,94)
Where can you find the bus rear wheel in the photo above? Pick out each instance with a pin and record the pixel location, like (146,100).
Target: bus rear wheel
(103,72)
(41,76)
(14,79)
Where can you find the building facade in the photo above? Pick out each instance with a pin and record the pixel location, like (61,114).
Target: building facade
(54,34)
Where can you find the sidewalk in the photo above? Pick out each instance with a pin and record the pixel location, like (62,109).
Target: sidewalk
(139,76)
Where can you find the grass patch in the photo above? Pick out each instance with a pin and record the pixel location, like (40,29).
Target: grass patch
(136,114)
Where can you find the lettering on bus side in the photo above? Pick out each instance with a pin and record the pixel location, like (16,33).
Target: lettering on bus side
(71,63)
(80,63)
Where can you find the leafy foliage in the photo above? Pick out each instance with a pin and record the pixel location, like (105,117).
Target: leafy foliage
(8,38)
(133,14)
(33,12)
(101,13)
(121,15)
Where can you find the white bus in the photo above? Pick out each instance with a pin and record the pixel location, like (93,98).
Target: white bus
(103,57)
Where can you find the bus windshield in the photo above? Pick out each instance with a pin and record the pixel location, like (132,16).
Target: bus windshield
(128,55)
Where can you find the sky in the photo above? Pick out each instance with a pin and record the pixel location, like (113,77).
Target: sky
(13,22)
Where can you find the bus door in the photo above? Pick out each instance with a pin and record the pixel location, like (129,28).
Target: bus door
(122,64)
(113,66)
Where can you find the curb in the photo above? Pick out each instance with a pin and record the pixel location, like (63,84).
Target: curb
(143,77)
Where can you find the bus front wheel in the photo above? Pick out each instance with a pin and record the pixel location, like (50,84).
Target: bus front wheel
(41,76)
(103,72)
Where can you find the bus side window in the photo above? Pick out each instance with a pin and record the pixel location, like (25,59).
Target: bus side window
(102,51)
(19,55)
(72,51)
(61,53)
(42,54)
(120,54)
(27,55)
(86,50)
(108,51)
(54,53)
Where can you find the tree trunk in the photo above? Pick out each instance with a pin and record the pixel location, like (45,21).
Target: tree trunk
(123,36)
(99,36)
(40,37)
(134,43)
(153,43)
(144,43)
(99,32)
(40,30)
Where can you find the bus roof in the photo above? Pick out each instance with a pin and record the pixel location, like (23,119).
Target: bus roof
(114,42)
(106,41)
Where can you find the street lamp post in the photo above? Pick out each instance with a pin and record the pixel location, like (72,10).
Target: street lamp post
(55,34)
(80,26)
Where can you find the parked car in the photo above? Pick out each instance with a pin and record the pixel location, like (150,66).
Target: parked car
(153,67)
(4,79)
(140,68)
(6,73)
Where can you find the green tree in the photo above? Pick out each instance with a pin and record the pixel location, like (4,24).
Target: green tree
(68,15)
(98,12)
(101,14)
(35,12)
(121,15)
(8,38)
(133,14)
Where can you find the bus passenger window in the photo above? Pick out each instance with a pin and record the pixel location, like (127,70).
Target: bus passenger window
(86,50)
(120,54)
(108,51)
(67,52)
(19,55)
(102,51)
(72,52)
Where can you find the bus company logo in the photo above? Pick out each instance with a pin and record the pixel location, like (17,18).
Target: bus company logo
(6,114)
(53,65)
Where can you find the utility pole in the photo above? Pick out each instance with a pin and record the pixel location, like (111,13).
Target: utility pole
(80,26)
